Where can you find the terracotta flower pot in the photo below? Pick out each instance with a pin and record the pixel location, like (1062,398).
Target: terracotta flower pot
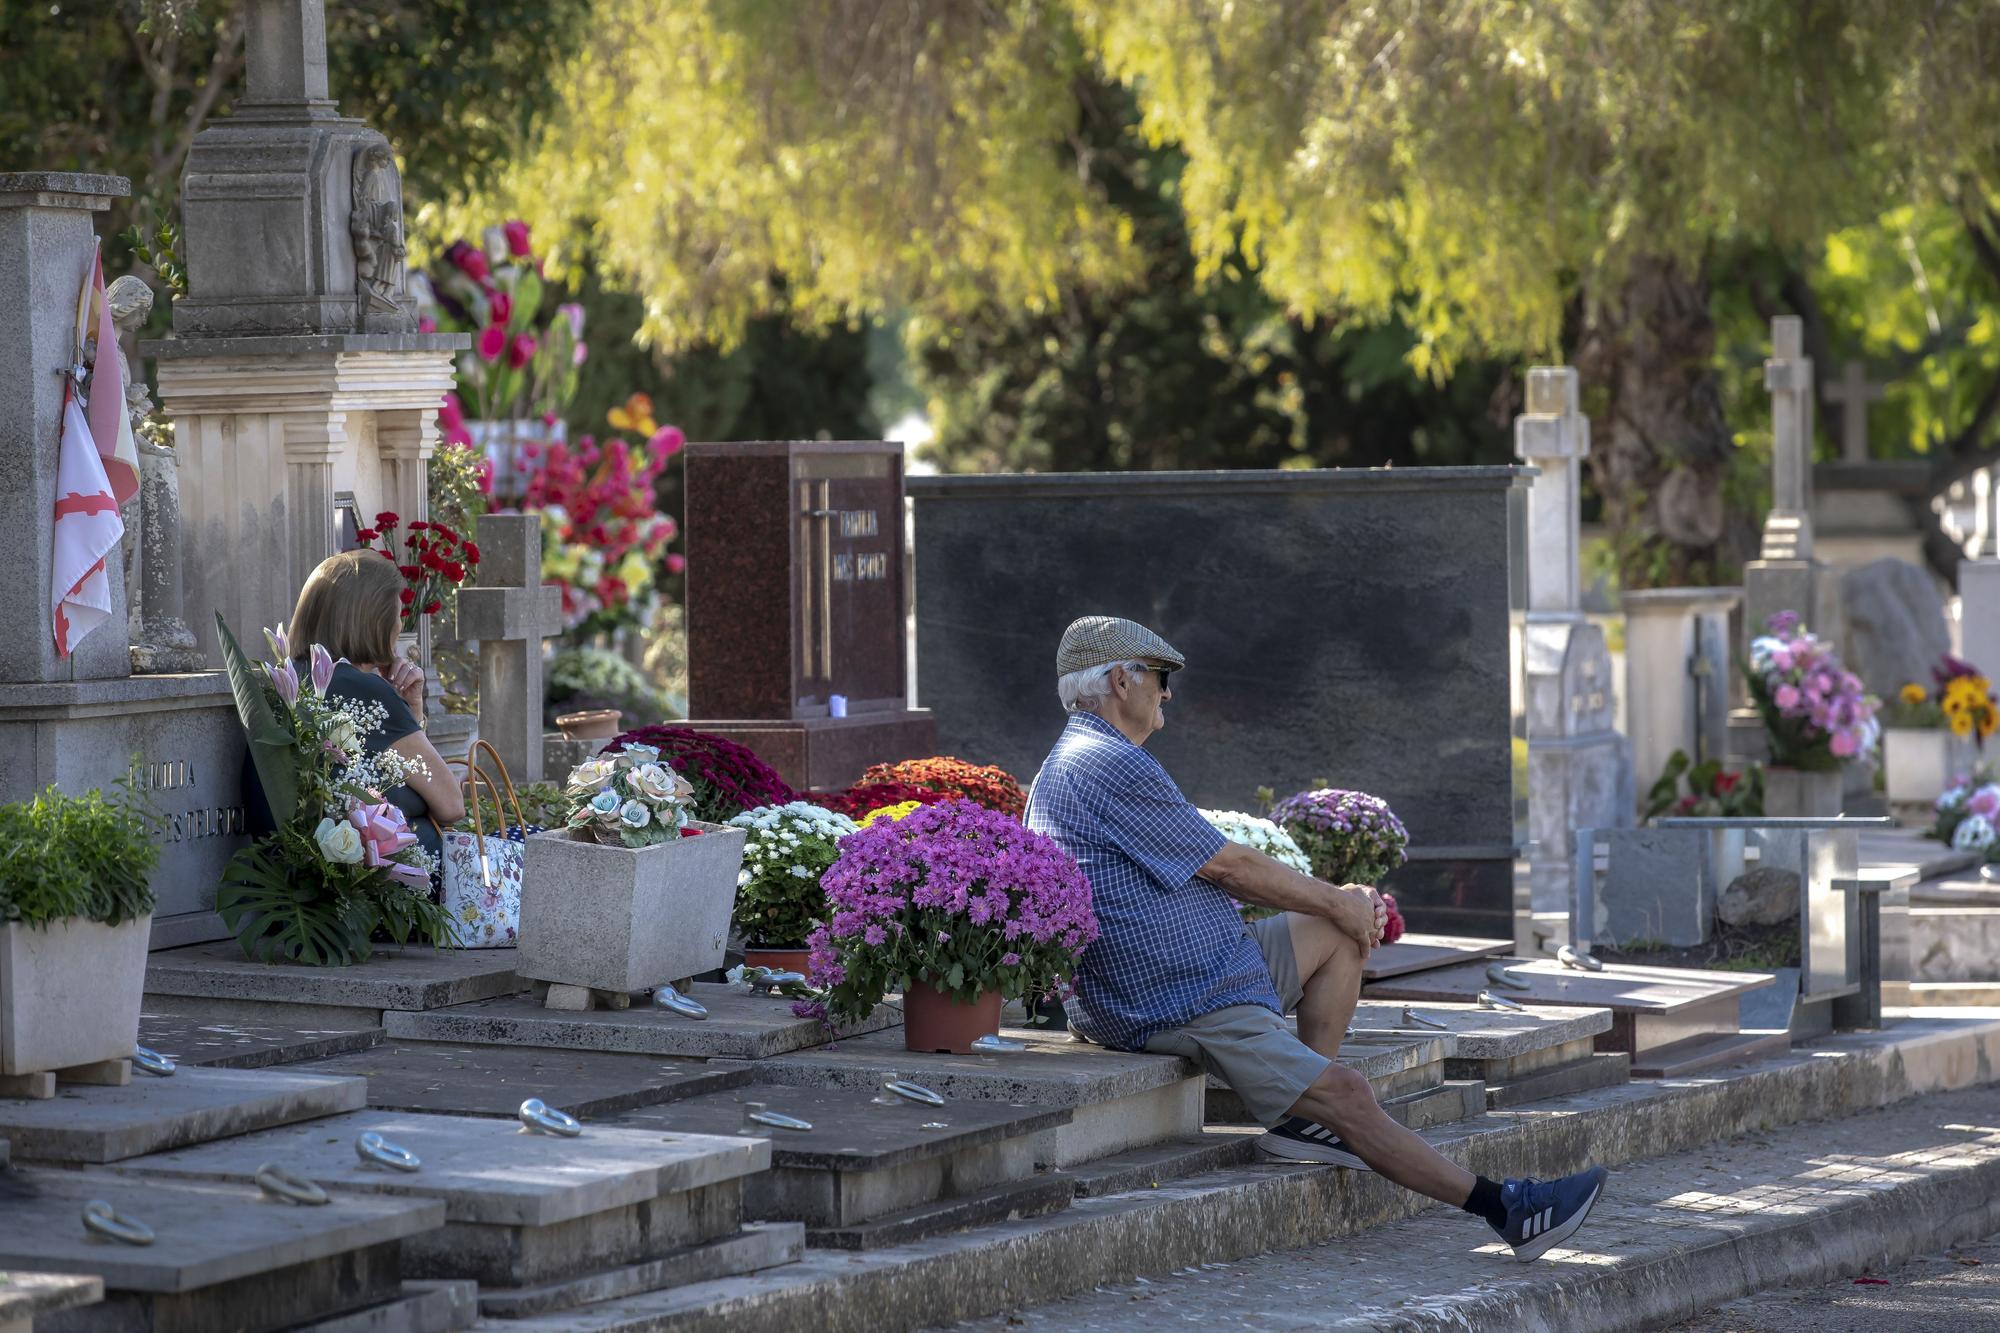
(934,1022)
(778,960)
(595,724)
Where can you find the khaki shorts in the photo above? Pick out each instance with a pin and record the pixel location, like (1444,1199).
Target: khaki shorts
(1249,1047)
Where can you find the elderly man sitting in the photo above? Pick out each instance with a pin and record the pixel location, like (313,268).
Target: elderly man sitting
(1176,970)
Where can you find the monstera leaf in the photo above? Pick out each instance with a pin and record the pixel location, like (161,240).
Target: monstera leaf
(272,752)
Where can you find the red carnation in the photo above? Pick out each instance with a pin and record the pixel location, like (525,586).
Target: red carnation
(385,520)
(419,526)
(432,608)
(455,571)
(471,553)
(468,260)
(390,556)
(409,595)
(409,571)
(366,535)
(501,307)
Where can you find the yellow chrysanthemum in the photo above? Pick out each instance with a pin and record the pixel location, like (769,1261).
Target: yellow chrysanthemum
(889,812)
(1961,724)
(1914,694)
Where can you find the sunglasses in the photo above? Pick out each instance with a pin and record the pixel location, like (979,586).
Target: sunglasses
(1162,673)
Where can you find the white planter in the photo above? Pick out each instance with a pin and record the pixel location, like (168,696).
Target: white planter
(1921,762)
(1797,793)
(70,993)
(622,920)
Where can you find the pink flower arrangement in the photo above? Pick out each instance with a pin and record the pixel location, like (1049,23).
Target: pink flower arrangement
(953,894)
(1349,836)
(1815,710)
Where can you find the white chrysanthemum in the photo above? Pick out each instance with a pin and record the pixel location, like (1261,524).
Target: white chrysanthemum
(1974,833)
(1262,834)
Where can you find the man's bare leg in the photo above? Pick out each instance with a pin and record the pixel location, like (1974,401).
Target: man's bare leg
(1330,968)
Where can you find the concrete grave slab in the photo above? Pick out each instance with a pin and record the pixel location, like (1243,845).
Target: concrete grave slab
(739,1026)
(757,1246)
(521,1208)
(1500,1047)
(1117,1099)
(188,1037)
(1396,1065)
(1420,953)
(149,1115)
(1651,1007)
(25,1295)
(495,1080)
(864,1159)
(422,1307)
(395,977)
(245,1260)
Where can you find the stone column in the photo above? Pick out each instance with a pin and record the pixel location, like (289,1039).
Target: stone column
(165,643)
(46,233)
(1979,580)
(1579,768)
(510,612)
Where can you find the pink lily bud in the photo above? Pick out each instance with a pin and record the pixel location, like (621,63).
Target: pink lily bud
(285,679)
(322,669)
(280,644)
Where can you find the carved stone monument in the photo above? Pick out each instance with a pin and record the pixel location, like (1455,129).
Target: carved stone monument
(1579,767)
(294,374)
(796,606)
(85,721)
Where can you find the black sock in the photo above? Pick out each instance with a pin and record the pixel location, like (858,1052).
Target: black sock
(1484,1201)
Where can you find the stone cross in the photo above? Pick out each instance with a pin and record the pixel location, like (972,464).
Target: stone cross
(1788,375)
(285,50)
(1853,391)
(1554,436)
(510,612)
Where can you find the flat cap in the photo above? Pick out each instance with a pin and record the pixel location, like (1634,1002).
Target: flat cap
(1100,640)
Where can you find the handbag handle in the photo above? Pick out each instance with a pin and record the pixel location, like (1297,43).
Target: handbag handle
(474,775)
(507,778)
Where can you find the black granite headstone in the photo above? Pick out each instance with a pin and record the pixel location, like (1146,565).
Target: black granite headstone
(1356,626)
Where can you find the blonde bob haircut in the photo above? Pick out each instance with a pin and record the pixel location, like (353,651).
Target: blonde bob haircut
(352,606)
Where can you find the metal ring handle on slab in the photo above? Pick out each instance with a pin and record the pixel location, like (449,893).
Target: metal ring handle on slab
(102,1218)
(1577,960)
(1488,1000)
(993,1045)
(1413,1019)
(767,978)
(779,1120)
(1500,976)
(671,1000)
(152,1062)
(279,1183)
(913,1092)
(372,1147)
(542,1118)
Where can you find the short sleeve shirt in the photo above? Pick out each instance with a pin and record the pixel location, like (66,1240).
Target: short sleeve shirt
(1171,946)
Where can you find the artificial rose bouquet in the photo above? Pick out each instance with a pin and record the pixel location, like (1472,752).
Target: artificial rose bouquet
(788,848)
(1815,710)
(954,895)
(340,862)
(1968,815)
(628,799)
(1349,836)
(727,778)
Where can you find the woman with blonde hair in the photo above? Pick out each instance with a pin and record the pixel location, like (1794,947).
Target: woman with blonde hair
(351,605)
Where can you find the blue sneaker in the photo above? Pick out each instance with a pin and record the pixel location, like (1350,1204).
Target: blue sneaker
(1542,1213)
(1301,1140)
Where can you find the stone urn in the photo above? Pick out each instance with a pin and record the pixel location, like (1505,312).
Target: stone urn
(625,919)
(1921,763)
(1801,793)
(592,724)
(70,993)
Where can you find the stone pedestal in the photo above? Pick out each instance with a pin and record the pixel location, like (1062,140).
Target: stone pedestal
(1677,665)
(270,431)
(796,606)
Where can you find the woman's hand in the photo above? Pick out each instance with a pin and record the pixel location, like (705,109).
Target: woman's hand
(407,679)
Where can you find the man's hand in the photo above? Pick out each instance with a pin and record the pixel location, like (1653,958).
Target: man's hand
(1359,914)
(407,679)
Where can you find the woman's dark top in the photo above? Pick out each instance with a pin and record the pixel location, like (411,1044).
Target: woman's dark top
(351,682)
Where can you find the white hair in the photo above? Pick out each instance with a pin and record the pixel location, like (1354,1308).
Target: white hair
(1078,690)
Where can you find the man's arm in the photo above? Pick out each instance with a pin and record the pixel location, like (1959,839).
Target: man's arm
(1248,875)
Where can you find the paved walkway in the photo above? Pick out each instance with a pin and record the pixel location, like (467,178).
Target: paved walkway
(1671,1237)
(1954,1291)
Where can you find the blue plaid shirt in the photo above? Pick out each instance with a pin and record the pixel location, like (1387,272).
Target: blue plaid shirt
(1172,946)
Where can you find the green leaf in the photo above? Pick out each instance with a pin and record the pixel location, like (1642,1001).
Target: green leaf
(271,745)
(955,978)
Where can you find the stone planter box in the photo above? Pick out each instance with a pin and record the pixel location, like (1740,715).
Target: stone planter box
(621,920)
(1921,762)
(1797,793)
(70,993)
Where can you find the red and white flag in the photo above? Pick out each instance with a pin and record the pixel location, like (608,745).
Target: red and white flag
(110,421)
(87,525)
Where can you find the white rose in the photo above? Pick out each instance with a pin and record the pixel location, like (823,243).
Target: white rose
(1974,833)
(339,841)
(343,737)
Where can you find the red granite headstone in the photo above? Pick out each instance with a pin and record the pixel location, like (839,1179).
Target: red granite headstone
(795,596)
